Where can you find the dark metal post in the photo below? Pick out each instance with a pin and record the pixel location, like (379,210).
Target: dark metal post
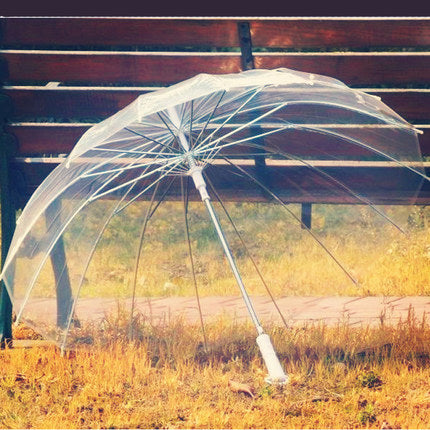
(245,40)
(306,215)
(245,45)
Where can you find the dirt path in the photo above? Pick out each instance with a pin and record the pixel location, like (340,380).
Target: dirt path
(296,310)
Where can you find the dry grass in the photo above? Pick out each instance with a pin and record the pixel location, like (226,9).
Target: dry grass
(341,377)
(383,260)
(390,265)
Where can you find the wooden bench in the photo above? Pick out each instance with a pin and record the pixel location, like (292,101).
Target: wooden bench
(62,75)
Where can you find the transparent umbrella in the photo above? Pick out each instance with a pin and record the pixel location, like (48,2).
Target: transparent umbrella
(221,159)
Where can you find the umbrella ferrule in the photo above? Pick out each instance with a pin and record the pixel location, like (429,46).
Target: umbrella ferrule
(196,173)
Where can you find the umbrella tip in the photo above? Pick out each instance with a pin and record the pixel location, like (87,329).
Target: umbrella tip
(277,381)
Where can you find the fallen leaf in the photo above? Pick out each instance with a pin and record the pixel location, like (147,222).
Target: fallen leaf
(20,377)
(320,399)
(238,387)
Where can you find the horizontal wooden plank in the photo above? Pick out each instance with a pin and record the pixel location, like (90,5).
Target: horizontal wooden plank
(69,103)
(412,105)
(340,33)
(300,184)
(54,138)
(119,32)
(46,140)
(134,68)
(80,103)
(285,32)
(293,184)
(359,70)
(108,68)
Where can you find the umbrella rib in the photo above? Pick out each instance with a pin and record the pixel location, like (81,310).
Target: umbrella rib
(149,217)
(363,199)
(82,277)
(392,121)
(72,182)
(163,162)
(111,160)
(190,138)
(41,264)
(124,151)
(377,151)
(89,200)
(214,142)
(217,148)
(279,200)
(336,181)
(89,173)
(139,194)
(185,195)
(105,184)
(319,170)
(211,116)
(170,130)
(382,117)
(136,264)
(143,176)
(230,117)
(114,177)
(152,140)
(260,275)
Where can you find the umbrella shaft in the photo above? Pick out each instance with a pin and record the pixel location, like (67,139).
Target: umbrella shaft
(196,173)
(276,372)
(233,266)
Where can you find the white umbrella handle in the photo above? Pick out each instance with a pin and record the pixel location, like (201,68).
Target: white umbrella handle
(276,372)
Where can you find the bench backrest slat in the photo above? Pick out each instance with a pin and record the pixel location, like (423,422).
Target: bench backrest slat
(107,32)
(62,74)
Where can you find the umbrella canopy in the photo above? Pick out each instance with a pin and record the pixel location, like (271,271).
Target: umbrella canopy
(250,137)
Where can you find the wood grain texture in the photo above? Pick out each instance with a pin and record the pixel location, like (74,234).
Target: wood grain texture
(413,106)
(130,69)
(119,68)
(101,103)
(288,33)
(34,140)
(60,139)
(77,104)
(384,69)
(291,184)
(341,33)
(58,31)
(358,70)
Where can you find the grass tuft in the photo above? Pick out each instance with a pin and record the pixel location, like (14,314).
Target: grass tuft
(340,377)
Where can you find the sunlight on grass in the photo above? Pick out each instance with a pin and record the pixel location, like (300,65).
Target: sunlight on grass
(341,377)
(382,260)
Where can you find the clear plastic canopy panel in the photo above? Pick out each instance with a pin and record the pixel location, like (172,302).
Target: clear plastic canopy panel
(267,140)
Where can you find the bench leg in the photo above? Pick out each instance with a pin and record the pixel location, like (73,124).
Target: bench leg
(8,222)
(306,215)
(61,271)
